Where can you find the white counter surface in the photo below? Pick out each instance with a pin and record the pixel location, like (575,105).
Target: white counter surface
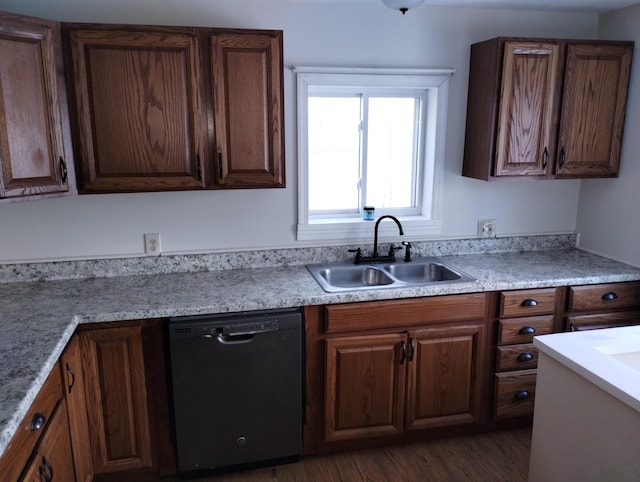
(597,355)
(587,408)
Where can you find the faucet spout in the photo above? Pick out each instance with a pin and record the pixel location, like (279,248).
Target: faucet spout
(375,234)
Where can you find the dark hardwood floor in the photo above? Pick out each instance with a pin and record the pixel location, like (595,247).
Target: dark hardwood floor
(491,457)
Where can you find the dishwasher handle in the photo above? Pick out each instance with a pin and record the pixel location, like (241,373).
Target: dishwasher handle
(240,332)
(235,339)
(229,339)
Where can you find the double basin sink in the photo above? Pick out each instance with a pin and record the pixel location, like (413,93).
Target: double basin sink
(337,277)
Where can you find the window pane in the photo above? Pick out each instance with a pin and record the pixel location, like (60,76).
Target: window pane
(391,152)
(334,153)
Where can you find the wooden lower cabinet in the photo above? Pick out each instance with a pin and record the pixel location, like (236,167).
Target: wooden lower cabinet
(37,436)
(53,458)
(365,384)
(603,306)
(74,392)
(423,371)
(523,314)
(128,429)
(116,399)
(390,383)
(102,414)
(515,393)
(442,382)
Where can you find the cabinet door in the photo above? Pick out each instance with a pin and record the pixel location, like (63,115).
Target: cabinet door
(115,386)
(139,99)
(593,110)
(248,109)
(53,459)
(35,154)
(35,422)
(525,138)
(443,379)
(74,386)
(364,386)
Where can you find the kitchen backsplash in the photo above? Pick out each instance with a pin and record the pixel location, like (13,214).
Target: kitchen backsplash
(98,268)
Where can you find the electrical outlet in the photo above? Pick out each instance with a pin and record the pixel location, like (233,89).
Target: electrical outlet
(152,244)
(487,228)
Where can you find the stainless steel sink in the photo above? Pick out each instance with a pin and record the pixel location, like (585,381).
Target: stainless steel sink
(346,276)
(427,272)
(354,276)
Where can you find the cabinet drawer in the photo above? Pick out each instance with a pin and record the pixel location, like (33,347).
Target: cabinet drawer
(603,320)
(408,312)
(515,393)
(527,302)
(522,330)
(607,297)
(516,357)
(22,444)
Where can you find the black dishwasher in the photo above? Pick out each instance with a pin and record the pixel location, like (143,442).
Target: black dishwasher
(237,390)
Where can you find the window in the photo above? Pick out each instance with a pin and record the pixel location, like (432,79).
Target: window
(369,137)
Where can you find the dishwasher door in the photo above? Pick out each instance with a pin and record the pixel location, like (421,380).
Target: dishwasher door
(237,390)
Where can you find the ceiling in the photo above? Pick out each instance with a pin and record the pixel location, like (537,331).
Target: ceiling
(598,6)
(592,6)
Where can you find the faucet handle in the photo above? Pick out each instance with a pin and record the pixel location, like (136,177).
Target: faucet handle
(358,255)
(392,250)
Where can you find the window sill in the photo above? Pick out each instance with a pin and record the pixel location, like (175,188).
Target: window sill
(351,229)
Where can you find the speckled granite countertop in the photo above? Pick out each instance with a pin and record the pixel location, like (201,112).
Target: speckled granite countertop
(38,318)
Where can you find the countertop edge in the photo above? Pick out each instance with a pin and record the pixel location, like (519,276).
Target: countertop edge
(36,385)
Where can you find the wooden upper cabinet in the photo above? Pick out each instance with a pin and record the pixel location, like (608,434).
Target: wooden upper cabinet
(545,108)
(140,111)
(150,102)
(525,122)
(593,109)
(35,148)
(246,70)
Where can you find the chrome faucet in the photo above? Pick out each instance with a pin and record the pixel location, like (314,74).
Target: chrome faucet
(375,257)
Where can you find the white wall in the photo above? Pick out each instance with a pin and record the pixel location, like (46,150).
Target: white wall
(360,34)
(609,210)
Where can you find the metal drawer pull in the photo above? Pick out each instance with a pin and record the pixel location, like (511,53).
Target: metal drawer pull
(403,352)
(412,348)
(63,170)
(529,302)
(563,157)
(43,474)
(525,357)
(46,463)
(73,378)
(527,330)
(610,296)
(37,422)
(522,395)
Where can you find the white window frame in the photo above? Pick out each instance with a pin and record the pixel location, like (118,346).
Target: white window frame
(435,82)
